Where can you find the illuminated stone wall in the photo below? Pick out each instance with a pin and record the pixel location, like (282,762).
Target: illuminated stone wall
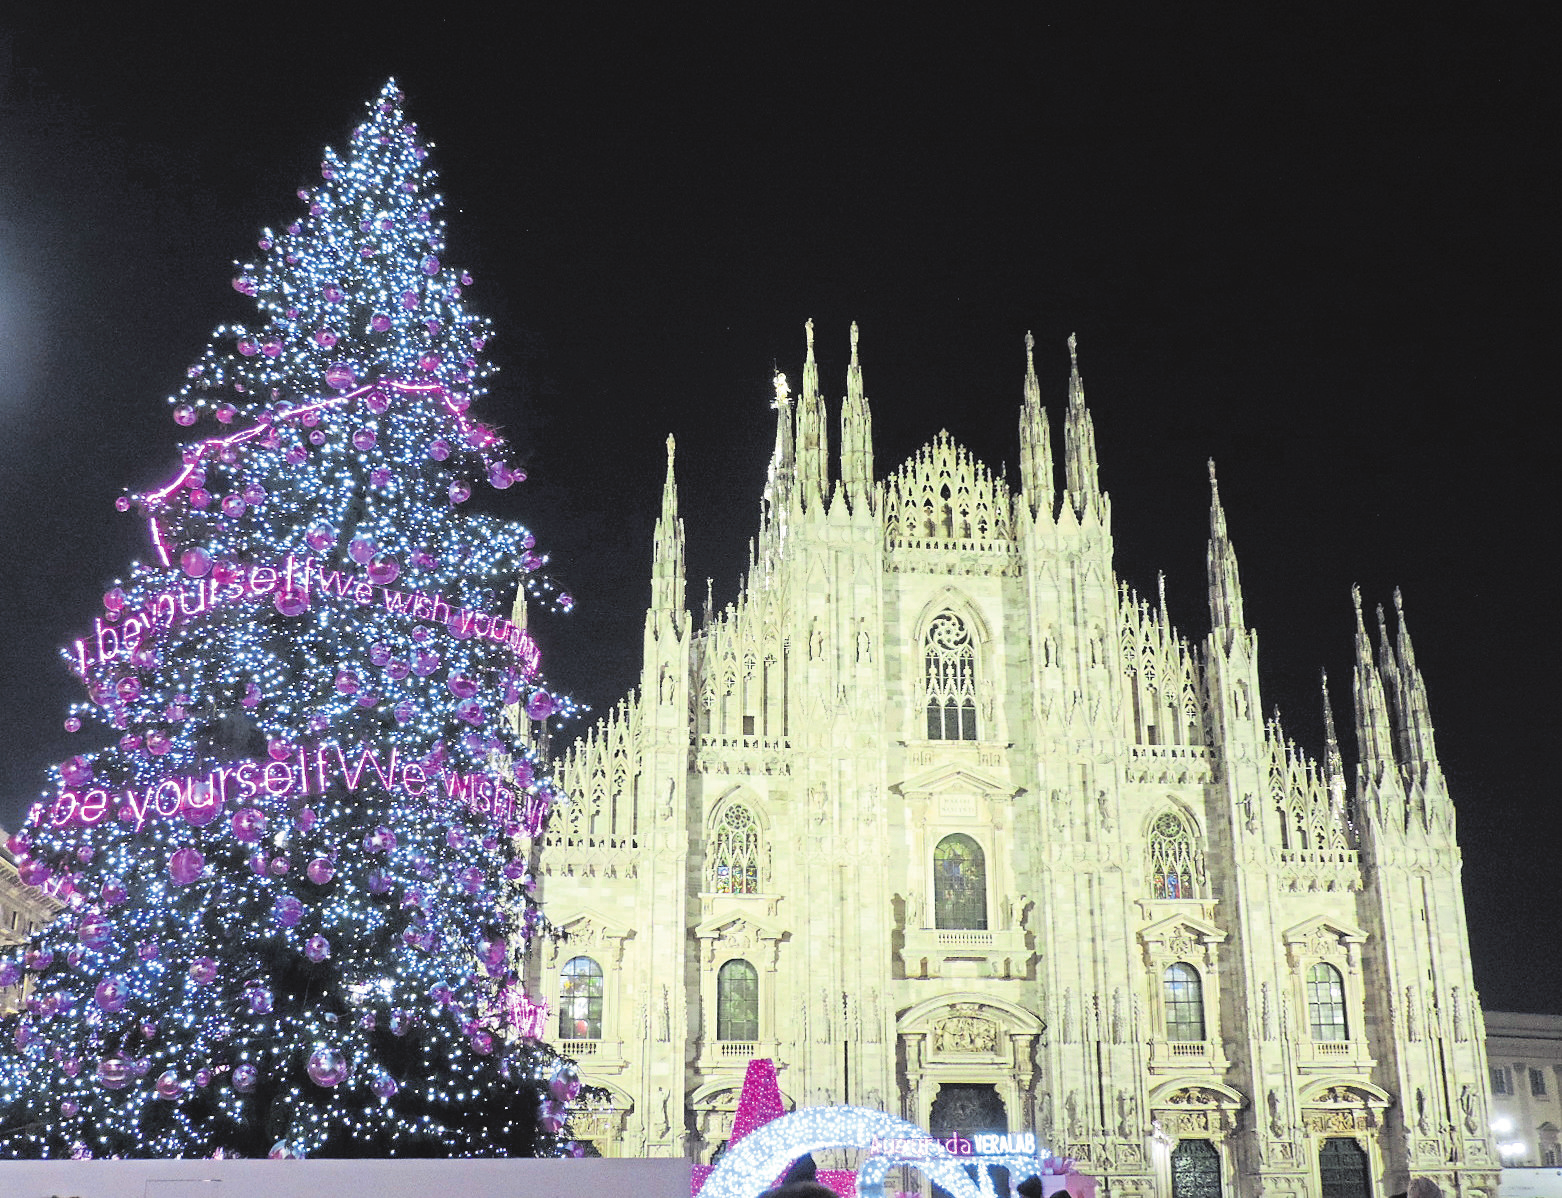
(1183,928)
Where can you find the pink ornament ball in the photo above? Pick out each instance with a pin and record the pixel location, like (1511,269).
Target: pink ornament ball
(340,377)
(428,363)
(248,347)
(185,866)
(379,653)
(459,402)
(541,705)
(383,1084)
(169,1087)
(278,867)
(424,663)
(403,713)
(233,506)
(72,724)
(114,599)
(114,1073)
(146,950)
(203,1078)
(112,893)
(325,338)
(431,266)
(363,439)
(203,971)
(346,683)
(319,539)
(249,825)
(251,697)
(157,742)
(254,494)
(461,686)
(271,349)
(122,504)
(291,602)
(379,322)
(111,995)
(278,750)
(259,999)
(470,711)
(381,840)
(378,402)
(287,911)
(296,455)
(482,1043)
(317,948)
(77,771)
(327,1067)
(466,279)
(409,300)
(362,550)
(331,293)
(244,285)
(439,449)
(460,491)
(200,498)
(499,476)
(197,563)
(320,871)
(305,819)
(226,413)
(95,932)
(244,1078)
(317,437)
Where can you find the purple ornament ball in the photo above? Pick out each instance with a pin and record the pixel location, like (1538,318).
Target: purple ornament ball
(185,866)
(249,825)
(320,871)
(244,1078)
(169,1087)
(327,1067)
(114,1073)
(287,911)
(203,971)
(197,563)
(460,491)
(317,948)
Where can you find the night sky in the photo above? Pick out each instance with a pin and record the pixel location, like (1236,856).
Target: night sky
(1322,248)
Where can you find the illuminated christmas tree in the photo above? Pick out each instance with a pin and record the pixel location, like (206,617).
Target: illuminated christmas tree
(296,914)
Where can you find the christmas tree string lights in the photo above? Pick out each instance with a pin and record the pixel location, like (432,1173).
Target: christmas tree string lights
(295,913)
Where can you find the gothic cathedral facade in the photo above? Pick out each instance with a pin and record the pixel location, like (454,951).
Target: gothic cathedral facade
(948,822)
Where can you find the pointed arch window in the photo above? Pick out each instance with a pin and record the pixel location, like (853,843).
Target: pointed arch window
(1326,1003)
(950,661)
(1176,865)
(1184,994)
(580,1000)
(959,883)
(734,853)
(737,1001)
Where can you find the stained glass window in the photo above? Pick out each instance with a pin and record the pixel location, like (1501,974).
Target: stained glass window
(580,1000)
(959,883)
(737,1001)
(734,853)
(1176,868)
(951,679)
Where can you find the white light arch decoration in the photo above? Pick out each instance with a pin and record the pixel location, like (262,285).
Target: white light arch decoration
(754,1162)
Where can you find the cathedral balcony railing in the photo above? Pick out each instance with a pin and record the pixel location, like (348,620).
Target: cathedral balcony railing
(599,1057)
(1171,1056)
(1329,1055)
(729,1049)
(966,952)
(579,1048)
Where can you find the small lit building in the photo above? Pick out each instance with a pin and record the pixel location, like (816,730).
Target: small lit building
(1525,1055)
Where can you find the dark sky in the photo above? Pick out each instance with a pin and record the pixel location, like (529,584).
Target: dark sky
(1322,248)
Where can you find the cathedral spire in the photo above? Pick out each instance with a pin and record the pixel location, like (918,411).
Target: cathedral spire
(1035,440)
(778,482)
(1079,440)
(1375,747)
(1418,748)
(813,437)
(856,435)
(1225,584)
(1333,761)
(667,581)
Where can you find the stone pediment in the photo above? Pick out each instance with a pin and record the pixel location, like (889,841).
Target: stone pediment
(953,779)
(1189,927)
(590,933)
(1322,936)
(725,925)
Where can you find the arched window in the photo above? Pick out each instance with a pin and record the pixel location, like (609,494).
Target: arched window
(734,853)
(737,1001)
(1326,1003)
(1176,871)
(580,1000)
(959,883)
(951,679)
(1184,991)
